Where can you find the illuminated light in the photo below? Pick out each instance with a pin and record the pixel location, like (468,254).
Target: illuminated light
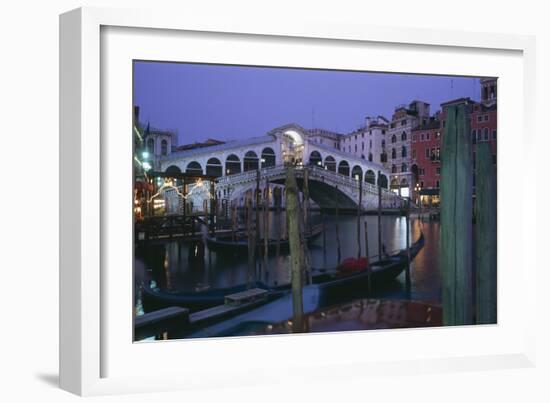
(146,166)
(145,155)
(319,163)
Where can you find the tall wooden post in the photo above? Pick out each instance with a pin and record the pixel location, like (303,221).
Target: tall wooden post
(359,218)
(486,236)
(369,268)
(323,218)
(408,244)
(250,279)
(258,247)
(266,224)
(293,225)
(337,226)
(280,221)
(212,208)
(379,218)
(456,218)
(306,199)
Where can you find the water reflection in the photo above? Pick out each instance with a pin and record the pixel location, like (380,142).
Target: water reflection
(190,266)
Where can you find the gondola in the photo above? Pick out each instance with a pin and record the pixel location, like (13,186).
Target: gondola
(240,246)
(330,280)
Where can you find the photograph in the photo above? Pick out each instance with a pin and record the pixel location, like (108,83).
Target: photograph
(282,200)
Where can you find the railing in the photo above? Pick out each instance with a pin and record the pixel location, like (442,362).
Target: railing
(279,171)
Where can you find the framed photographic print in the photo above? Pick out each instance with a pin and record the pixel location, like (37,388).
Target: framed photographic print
(234,202)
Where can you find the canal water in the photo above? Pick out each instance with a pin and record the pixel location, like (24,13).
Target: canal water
(182,266)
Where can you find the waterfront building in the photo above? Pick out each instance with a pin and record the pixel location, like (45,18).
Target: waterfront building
(369,141)
(427,140)
(405,118)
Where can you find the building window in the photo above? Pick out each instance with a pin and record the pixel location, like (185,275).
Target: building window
(479,118)
(486,118)
(443,123)
(393,153)
(494,159)
(414,153)
(356,148)
(414,138)
(164,147)
(370,157)
(421,184)
(363,135)
(403,122)
(383,157)
(393,139)
(438,153)
(151,146)
(427,153)
(362,146)
(403,167)
(438,170)
(370,143)
(486,134)
(422,137)
(474,134)
(393,169)
(404,152)
(494,134)
(478,134)
(403,136)
(383,143)
(437,184)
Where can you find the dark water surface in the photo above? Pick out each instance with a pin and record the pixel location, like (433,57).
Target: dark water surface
(184,266)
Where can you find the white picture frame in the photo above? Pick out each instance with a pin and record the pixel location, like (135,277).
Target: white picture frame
(87,323)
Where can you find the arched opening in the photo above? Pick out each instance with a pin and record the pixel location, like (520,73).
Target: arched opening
(357,173)
(394,185)
(403,136)
(403,167)
(163,147)
(292,147)
(370,177)
(383,181)
(214,167)
(330,163)
(172,169)
(404,188)
(151,146)
(393,139)
(232,165)
(343,168)
(370,157)
(393,169)
(250,161)
(194,168)
(268,157)
(403,152)
(393,153)
(315,158)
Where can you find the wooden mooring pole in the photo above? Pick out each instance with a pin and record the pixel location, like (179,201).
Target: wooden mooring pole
(408,243)
(293,225)
(258,247)
(379,218)
(266,226)
(456,218)
(250,279)
(337,227)
(369,268)
(359,218)
(486,236)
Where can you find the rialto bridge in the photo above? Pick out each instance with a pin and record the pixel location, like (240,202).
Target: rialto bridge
(333,175)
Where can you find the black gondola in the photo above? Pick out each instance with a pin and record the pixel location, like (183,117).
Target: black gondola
(240,246)
(331,280)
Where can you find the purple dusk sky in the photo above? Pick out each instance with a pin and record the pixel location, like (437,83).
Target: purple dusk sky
(204,101)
